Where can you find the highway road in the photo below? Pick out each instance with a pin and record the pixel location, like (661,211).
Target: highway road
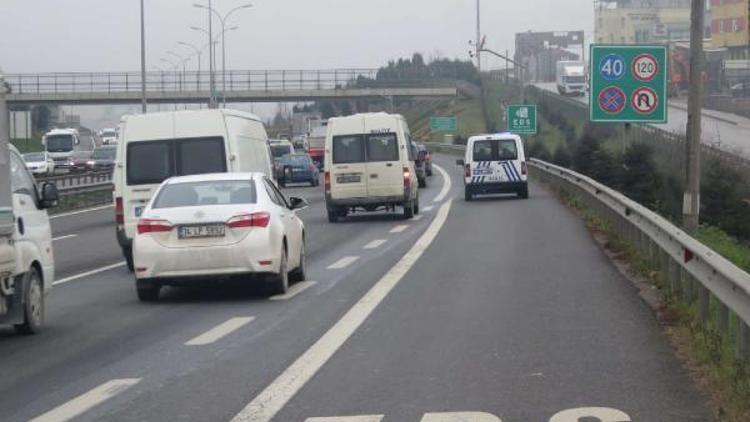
(724,130)
(500,306)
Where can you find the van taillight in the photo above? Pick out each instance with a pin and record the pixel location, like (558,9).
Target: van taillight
(524,168)
(328,182)
(467,170)
(407,177)
(119,211)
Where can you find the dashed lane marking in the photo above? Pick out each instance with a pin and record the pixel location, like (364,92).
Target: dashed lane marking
(399,229)
(88,273)
(343,262)
(86,401)
(294,290)
(220,331)
(375,244)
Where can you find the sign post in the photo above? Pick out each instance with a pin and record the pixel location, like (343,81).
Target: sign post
(521,119)
(628,84)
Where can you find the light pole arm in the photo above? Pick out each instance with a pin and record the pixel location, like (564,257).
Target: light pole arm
(515,63)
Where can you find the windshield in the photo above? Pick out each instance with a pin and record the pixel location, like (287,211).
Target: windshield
(34,157)
(574,79)
(109,134)
(279,151)
(224,192)
(104,154)
(59,143)
(81,155)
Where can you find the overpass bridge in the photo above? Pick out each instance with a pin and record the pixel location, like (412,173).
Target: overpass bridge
(89,88)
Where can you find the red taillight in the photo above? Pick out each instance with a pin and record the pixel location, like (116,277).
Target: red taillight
(119,211)
(328,181)
(147,225)
(407,177)
(257,219)
(524,168)
(467,170)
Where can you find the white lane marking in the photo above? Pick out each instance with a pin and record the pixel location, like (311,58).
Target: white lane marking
(220,331)
(276,395)
(417,217)
(294,290)
(460,417)
(428,208)
(446,184)
(363,418)
(88,273)
(375,244)
(343,262)
(68,236)
(399,229)
(104,207)
(88,400)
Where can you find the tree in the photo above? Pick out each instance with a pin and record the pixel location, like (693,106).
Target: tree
(40,116)
(640,178)
(722,200)
(562,156)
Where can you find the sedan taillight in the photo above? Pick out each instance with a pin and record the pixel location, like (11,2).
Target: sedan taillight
(257,219)
(148,225)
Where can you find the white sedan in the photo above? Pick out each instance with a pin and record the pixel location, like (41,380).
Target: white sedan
(228,224)
(39,163)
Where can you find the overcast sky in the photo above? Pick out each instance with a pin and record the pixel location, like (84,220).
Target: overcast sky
(103,35)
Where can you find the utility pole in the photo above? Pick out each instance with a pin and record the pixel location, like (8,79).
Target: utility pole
(479,36)
(212,84)
(691,198)
(144,103)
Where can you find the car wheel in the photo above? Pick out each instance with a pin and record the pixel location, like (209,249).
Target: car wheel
(422,183)
(408,210)
(416,205)
(148,290)
(280,281)
(33,306)
(333,216)
(524,193)
(128,253)
(299,274)
(468,195)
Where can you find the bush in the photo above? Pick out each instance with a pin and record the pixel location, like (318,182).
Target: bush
(562,156)
(722,201)
(640,178)
(594,161)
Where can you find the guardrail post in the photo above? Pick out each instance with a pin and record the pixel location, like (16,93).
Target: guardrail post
(127,82)
(675,277)
(722,317)
(301,80)
(37,84)
(743,340)
(266,73)
(283,80)
(689,283)
(704,301)
(318,79)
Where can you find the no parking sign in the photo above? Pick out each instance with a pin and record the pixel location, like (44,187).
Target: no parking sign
(628,84)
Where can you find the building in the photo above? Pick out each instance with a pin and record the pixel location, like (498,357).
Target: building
(730,27)
(642,21)
(539,51)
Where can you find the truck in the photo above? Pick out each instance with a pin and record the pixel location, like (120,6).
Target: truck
(27,265)
(571,78)
(316,145)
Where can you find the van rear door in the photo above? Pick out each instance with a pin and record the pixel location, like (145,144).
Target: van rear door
(349,166)
(385,173)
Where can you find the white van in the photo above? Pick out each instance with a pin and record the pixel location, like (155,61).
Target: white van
(156,146)
(60,144)
(495,164)
(27,265)
(369,162)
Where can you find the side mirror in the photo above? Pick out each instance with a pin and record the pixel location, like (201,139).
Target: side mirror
(460,163)
(50,196)
(298,203)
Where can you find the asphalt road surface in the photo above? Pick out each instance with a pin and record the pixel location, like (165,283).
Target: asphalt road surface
(727,131)
(502,307)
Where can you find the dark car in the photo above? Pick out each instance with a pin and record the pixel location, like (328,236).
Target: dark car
(741,89)
(78,162)
(419,166)
(298,168)
(424,155)
(102,159)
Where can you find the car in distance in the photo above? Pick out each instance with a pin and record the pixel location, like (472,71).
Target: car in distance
(495,164)
(424,155)
(298,168)
(102,159)
(370,165)
(279,149)
(419,167)
(108,136)
(78,161)
(39,163)
(219,225)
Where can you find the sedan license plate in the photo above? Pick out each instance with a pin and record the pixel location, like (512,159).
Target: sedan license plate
(197,232)
(348,178)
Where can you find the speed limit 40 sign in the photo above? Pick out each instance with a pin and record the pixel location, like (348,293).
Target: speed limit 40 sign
(628,83)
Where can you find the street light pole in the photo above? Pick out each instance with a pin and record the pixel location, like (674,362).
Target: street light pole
(212,84)
(691,197)
(198,52)
(144,104)
(479,36)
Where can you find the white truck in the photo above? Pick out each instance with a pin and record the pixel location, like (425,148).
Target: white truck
(571,78)
(27,267)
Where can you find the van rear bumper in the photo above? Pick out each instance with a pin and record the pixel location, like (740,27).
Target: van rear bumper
(358,202)
(500,187)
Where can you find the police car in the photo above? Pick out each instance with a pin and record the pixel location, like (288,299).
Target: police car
(495,164)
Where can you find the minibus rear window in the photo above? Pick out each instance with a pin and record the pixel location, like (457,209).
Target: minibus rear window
(495,150)
(348,149)
(151,162)
(382,147)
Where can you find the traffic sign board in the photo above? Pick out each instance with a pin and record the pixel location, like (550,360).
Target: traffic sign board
(522,119)
(443,124)
(628,83)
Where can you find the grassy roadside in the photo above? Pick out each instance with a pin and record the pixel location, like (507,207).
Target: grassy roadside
(727,246)
(30,145)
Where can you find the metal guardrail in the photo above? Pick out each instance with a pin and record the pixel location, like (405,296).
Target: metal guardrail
(77,180)
(82,190)
(690,270)
(191,82)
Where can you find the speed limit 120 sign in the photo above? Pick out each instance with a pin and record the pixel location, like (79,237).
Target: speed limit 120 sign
(628,83)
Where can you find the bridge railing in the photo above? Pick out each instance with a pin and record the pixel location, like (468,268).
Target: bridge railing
(190,82)
(689,271)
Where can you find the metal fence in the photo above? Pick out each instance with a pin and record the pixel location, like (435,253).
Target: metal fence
(190,82)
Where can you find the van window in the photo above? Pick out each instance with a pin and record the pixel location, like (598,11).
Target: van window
(348,149)
(152,162)
(382,147)
(495,150)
